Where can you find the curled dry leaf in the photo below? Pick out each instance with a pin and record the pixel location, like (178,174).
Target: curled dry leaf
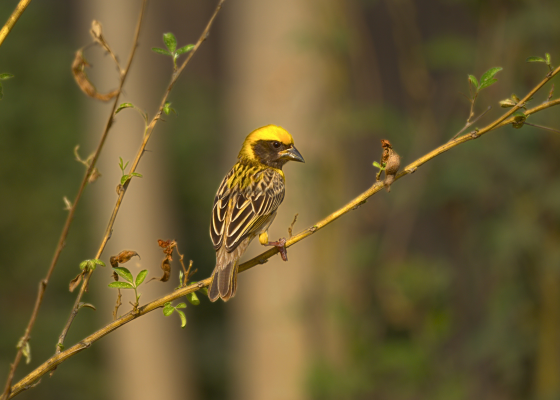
(78,70)
(74,283)
(121,258)
(95,175)
(392,162)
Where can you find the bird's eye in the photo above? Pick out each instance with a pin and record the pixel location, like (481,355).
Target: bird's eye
(276,144)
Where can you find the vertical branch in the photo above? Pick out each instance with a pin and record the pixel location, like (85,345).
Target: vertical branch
(65,230)
(20,8)
(146,138)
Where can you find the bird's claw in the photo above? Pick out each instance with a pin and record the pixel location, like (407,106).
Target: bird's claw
(281,245)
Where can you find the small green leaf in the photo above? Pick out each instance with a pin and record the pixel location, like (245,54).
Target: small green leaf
(84,264)
(161,51)
(167,109)
(136,174)
(536,59)
(507,103)
(474,81)
(377,165)
(489,74)
(124,178)
(181,305)
(519,118)
(170,41)
(98,262)
(204,290)
(185,49)
(487,83)
(122,107)
(124,273)
(515,98)
(26,350)
(168,309)
(193,298)
(121,285)
(5,76)
(183,318)
(547,55)
(141,276)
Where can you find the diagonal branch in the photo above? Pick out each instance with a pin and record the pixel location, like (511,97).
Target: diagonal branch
(65,230)
(57,359)
(20,8)
(146,138)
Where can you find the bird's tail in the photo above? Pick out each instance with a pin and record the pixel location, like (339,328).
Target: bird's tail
(224,282)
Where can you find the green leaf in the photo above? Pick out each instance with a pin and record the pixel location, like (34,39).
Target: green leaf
(489,74)
(168,309)
(487,83)
(536,59)
(161,51)
(547,58)
(167,109)
(181,305)
(474,81)
(141,276)
(170,41)
(377,165)
(507,103)
(5,76)
(121,285)
(122,107)
(204,290)
(136,174)
(124,178)
(84,264)
(193,299)
(26,351)
(98,262)
(183,318)
(124,273)
(185,49)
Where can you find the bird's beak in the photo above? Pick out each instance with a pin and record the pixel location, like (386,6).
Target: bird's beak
(291,154)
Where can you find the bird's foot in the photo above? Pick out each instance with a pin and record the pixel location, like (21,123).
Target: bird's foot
(281,245)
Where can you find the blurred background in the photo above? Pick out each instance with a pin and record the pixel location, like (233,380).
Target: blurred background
(446,288)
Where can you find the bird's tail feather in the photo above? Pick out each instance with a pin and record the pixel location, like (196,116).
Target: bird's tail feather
(224,282)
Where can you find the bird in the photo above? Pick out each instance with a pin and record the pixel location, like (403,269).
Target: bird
(246,203)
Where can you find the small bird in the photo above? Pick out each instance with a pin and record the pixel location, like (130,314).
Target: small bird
(246,203)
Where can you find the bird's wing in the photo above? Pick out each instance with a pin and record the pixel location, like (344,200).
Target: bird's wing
(219,211)
(250,208)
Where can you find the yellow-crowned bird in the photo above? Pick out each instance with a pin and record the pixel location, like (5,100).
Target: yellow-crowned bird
(246,203)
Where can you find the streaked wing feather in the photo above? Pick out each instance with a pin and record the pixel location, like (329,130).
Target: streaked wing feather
(253,207)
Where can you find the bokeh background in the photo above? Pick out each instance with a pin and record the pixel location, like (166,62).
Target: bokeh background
(446,288)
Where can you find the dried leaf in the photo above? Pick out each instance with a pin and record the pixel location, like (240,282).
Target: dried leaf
(95,175)
(78,70)
(74,283)
(392,162)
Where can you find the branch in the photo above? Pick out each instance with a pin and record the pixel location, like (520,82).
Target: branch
(65,230)
(57,359)
(20,8)
(146,138)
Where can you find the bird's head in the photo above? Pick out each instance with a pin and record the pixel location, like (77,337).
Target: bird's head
(270,145)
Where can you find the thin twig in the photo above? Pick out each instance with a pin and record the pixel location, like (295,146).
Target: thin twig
(261,258)
(69,219)
(146,138)
(470,123)
(20,8)
(108,124)
(542,127)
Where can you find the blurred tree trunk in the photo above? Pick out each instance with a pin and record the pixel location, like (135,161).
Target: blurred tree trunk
(274,79)
(145,359)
